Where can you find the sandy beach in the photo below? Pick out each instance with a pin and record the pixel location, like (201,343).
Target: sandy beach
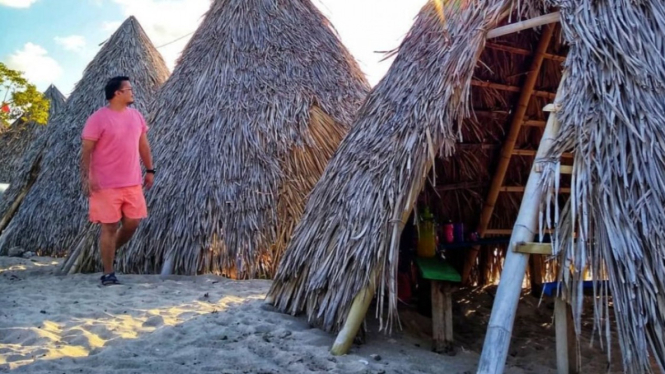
(208,324)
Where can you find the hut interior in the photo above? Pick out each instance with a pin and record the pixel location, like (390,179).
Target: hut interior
(473,197)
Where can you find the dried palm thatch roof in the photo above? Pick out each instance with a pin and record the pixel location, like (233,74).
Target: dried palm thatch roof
(21,147)
(259,100)
(612,117)
(54,211)
(349,235)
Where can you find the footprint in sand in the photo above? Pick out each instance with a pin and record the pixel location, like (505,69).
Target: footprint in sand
(154,321)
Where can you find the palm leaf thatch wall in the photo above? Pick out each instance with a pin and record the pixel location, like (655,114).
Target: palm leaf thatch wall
(349,234)
(55,211)
(612,116)
(257,104)
(21,147)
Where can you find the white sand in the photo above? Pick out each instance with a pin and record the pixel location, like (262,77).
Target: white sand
(207,324)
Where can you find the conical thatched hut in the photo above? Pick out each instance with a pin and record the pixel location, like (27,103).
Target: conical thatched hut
(449,85)
(257,104)
(55,211)
(21,147)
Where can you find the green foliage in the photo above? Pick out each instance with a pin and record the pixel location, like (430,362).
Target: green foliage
(21,98)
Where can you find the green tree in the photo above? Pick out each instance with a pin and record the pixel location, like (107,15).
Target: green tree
(20,99)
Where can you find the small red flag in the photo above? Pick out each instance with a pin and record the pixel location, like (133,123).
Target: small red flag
(5,107)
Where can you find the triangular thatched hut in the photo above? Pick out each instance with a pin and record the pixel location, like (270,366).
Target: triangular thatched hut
(259,100)
(21,147)
(54,211)
(347,243)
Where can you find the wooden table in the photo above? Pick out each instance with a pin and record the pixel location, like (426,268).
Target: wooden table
(442,277)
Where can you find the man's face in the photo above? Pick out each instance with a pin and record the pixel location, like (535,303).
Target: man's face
(125,93)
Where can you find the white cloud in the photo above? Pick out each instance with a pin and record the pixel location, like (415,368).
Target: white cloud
(37,66)
(111,26)
(363,29)
(361,24)
(175,19)
(74,43)
(17,3)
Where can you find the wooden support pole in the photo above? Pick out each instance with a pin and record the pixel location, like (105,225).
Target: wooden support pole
(567,357)
(509,144)
(499,331)
(523,25)
(442,317)
(561,333)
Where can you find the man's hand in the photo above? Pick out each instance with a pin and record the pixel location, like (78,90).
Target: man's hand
(89,186)
(149,180)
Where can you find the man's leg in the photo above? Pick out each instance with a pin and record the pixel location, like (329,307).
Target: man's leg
(107,246)
(125,232)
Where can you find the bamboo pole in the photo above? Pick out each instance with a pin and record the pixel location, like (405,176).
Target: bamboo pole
(353,321)
(509,145)
(497,339)
(523,25)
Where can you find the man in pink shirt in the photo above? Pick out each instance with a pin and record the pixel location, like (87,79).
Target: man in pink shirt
(114,138)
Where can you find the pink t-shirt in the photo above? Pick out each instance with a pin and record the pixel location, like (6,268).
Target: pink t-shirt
(115,159)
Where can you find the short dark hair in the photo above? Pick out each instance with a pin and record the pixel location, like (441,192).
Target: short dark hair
(114,85)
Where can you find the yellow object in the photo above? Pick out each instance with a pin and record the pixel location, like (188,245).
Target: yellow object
(427,235)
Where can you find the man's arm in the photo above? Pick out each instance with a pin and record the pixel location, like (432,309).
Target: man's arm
(86,155)
(146,157)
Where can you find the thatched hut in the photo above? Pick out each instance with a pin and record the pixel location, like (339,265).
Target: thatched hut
(21,147)
(257,104)
(437,93)
(612,118)
(456,122)
(54,211)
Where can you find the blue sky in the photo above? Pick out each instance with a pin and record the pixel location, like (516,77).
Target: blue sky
(52,41)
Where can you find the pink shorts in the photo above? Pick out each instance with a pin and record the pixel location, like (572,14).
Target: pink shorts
(110,205)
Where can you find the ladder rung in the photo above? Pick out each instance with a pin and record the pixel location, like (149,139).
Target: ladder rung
(534,123)
(563,169)
(534,248)
(532,152)
(521,189)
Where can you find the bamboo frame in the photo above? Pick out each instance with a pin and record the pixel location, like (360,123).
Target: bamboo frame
(523,25)
(509,145)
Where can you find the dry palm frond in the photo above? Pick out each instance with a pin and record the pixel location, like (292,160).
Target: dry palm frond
(351,226)
(612,115)
(257,104)
(54,211)
(21,147)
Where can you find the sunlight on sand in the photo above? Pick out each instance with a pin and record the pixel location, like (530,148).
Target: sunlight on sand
(13,268)
(83,335)
(23,267)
